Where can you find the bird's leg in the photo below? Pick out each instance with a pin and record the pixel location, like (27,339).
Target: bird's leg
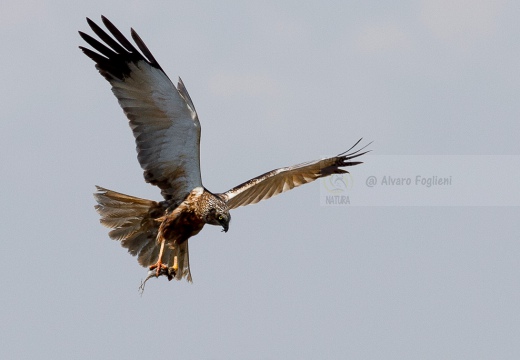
(172,271)
(159,265)
(175,266)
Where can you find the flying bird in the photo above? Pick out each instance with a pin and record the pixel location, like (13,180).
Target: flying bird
(166,128)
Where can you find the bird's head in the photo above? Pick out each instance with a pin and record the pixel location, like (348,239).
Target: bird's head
(219,216)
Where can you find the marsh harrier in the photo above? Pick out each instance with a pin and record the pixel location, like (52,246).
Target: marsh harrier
(167,133)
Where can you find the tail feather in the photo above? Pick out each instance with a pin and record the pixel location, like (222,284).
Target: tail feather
(134,222)
(137,243)
(129,218)
(114,223)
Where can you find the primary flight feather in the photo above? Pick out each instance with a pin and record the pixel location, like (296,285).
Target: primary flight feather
(167,134)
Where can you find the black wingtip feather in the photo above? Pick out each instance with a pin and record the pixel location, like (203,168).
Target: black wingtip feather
(343,158)
(104,65)
(144,49)
(106,38)
(118,35)
(353,146)
(108,53)
(115,52)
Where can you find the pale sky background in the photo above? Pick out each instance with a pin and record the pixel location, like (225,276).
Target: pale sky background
(275,83)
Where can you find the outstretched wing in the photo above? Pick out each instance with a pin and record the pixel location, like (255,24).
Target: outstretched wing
(162,117)
(280,180)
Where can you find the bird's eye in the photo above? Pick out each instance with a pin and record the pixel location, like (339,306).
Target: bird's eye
(220,218)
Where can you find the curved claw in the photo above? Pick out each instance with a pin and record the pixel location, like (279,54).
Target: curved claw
(160,268)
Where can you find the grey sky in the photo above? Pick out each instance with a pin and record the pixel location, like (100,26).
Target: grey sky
(274,83)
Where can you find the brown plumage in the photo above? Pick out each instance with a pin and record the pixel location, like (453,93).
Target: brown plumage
(166,128)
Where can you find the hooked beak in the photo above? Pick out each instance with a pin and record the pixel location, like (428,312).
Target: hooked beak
(225,227)
(224,222)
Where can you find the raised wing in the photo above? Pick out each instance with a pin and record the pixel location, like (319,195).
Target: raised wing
(162,117)
(280,180)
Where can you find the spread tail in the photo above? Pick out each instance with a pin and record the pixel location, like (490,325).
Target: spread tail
(134,222)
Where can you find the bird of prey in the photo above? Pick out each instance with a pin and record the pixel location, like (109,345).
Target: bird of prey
(167,134)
